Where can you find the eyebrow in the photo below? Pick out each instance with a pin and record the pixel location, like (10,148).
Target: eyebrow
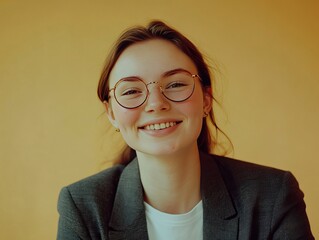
(165,74)
(174,71)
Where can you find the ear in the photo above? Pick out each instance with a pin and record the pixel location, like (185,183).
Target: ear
(110,114)
(207,99)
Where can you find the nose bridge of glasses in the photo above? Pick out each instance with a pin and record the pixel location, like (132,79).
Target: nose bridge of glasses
(154,82)
(150,83)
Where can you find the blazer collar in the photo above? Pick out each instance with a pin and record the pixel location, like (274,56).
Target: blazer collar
(128,220)
(220,215)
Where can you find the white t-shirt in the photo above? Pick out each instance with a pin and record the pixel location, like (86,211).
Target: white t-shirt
(164,226)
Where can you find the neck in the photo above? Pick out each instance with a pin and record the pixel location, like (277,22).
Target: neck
(171,183)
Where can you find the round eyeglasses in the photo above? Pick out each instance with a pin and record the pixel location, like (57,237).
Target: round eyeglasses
(132,92)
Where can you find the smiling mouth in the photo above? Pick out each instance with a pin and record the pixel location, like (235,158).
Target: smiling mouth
(160,126)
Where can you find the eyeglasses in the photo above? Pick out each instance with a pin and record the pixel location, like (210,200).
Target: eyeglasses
(132,92)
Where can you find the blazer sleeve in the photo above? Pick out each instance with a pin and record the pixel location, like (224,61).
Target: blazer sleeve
(289,219)
(71,225)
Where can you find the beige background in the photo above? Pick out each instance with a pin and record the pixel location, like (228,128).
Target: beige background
(52,132)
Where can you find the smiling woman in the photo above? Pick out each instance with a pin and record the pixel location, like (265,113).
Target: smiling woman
(157,90)
(168,92)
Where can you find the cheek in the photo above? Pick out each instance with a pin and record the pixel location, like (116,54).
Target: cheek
(125,117)
(194,107)
(193,111)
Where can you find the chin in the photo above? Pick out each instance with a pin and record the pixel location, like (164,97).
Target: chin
(164,150)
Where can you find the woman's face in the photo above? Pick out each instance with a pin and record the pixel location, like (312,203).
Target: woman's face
(149,61)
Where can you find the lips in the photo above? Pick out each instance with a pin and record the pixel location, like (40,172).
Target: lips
(160,126)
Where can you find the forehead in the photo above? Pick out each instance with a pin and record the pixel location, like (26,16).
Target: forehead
(149,60)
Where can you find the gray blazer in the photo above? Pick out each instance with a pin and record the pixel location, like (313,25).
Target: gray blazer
(240,200)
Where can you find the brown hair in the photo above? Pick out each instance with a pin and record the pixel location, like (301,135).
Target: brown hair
(159,30)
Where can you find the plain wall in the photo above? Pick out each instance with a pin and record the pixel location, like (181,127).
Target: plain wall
(52,128)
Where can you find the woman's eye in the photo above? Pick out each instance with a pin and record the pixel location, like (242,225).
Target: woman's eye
(175,85)
(131,92)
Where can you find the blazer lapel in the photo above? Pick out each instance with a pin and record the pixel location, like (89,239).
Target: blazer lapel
(128,219)
(220,216)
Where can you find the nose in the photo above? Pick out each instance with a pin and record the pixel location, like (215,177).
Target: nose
(156,101)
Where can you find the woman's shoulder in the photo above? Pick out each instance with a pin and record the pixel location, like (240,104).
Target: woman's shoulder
(246,176)
(100,187)
(252,177)
(87,200)
(246,169)
(98,183)
(268,195)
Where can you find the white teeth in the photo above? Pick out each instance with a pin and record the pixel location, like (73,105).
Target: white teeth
(159,126)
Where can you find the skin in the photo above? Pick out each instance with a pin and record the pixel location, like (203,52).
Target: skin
(169,158)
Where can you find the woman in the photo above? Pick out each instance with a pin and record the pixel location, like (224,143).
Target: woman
(157,92)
